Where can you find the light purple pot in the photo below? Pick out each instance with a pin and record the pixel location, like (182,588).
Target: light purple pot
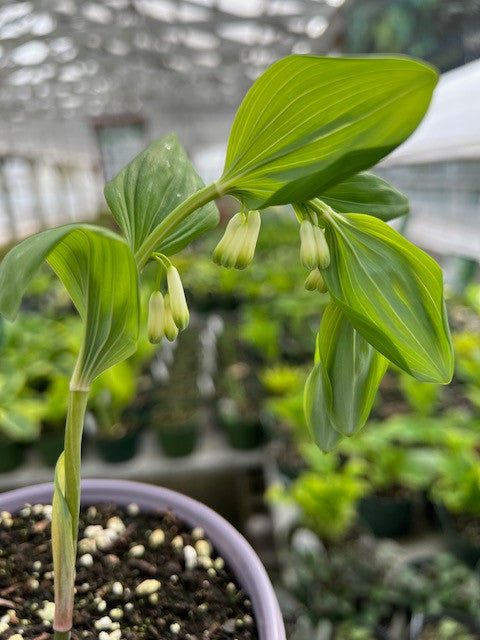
(230,544)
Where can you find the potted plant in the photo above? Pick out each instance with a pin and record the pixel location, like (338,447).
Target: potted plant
(457,497)
(439,585)
(395,475)
(177,427)
(347,586)
(51,440)
(19,419)
(351,631)
(289,432)
(443,627)
(304,133)
(326,495)
(238,407)
(176,403)
(117,433)
(43,349)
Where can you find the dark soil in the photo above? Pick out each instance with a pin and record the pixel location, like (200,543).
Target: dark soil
(468,527)
(201,601)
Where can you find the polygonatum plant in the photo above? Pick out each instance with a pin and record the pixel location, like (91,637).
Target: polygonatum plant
(304,135)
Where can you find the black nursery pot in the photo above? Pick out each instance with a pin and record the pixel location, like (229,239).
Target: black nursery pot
(11,455)
(386,517)
(120,449)
(457,545)
(179,440)
(242,433)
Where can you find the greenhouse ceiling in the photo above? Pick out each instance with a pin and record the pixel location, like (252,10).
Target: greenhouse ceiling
(63,59)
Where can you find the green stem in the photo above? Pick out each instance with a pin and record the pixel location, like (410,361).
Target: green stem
(66,501)
(73,454)
(321,208)
(184,209)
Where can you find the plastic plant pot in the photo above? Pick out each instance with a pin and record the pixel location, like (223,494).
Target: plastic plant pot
(178,441)
(11,455)
(243,434)
(50,447)
(233,547)
(457,545)
(386,517)
(120,449)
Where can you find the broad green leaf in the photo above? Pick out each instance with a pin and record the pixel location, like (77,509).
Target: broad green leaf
(22,263)
(341,388)
(64,552)
(367,193)
(310,122)
(317,404)
(150,187)
(354,369)
(99,272)
(392,293)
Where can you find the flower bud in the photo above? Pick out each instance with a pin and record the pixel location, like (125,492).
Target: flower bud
(249,241)
(176,294)
(231,255)
(222,247)
(156,318)
(169,326)
(315,281)
(322,250)
(237,247)
(308,245)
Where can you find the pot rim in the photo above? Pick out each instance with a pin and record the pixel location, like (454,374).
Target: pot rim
(232,546)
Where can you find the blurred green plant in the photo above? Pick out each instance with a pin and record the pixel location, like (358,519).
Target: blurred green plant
(327,497)
(458,484)
(438,584)
(111,393)
(281,380)
(446,629)
(467,353)
(20,411)
(421,397)
(387,465)
(363,585)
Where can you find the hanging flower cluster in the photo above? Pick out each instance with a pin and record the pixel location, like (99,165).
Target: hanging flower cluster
(167,314)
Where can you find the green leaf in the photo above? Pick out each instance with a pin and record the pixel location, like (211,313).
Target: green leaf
(63,550)
(309,122)
(99,272)
(354,368)
(341,388)
(150,187)
(22,263)
(367,193)
(392,293)
(317,404)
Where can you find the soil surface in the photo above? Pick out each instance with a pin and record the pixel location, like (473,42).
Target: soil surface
(139,576)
